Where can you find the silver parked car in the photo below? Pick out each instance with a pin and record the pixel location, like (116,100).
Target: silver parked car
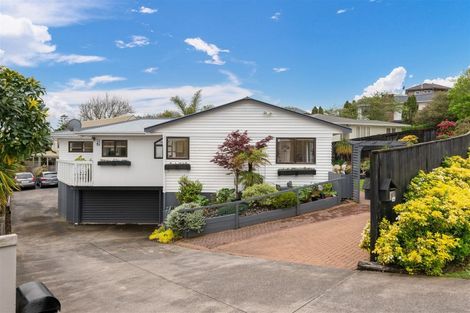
(25,180)
(47,179)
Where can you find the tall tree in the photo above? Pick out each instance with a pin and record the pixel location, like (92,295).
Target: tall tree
(459,96)
(320,110)
(410,108)
(63,121)
(379,107)
(315,110)
(349,110)
(107,107)
(23,125)
(435,112)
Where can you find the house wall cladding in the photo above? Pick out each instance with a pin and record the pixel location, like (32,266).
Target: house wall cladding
(208,131)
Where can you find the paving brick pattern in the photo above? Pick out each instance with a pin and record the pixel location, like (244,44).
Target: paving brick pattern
(328,237)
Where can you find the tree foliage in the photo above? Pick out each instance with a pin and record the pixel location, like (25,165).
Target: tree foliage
(410,108)
(349,110)
(104,107)
(378,107)
(23,125)
(435,112)
(63,121)
(459,97)
(236,151)
(318,110)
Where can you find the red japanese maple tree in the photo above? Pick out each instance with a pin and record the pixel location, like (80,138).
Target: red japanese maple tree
(230,151)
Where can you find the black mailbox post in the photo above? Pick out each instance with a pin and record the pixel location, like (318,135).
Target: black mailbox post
(387,190)
(34,297)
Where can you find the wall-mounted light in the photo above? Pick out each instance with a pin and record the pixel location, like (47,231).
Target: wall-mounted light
(268,113)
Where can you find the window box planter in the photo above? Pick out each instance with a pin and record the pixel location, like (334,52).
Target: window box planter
(178,166)
(114,163)
(296,171)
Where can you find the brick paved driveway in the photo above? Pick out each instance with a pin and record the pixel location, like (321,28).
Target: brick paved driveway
(328,238)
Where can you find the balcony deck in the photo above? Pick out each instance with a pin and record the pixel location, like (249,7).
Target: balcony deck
(75,173)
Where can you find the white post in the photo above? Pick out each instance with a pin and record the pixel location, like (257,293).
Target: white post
(8,273)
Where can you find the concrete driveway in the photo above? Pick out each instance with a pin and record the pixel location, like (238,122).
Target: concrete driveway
(116,269)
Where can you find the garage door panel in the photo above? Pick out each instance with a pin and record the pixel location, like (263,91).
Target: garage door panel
(120,206)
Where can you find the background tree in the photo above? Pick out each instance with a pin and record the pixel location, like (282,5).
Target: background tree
(62,123)
(349,110)
(435,112)
(234,152)
(24,129)
(459,97)
(379,107)
(315,110)
(107,107)
(410,108)
(320,110)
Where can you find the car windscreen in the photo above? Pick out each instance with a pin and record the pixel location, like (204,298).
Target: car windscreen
(24,176)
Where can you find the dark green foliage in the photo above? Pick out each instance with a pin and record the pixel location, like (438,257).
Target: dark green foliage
(460,97)
(435,112)
(63,121)
(349,110)
(378,107)
(284,200)
(410,108)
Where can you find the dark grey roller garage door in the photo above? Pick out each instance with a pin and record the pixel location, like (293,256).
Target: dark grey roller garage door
(121,206)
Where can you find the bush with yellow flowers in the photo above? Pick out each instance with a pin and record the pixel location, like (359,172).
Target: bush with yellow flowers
(162,235)
(432,228)
(409,140)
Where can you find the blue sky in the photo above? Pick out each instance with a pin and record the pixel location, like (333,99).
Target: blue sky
(300,53)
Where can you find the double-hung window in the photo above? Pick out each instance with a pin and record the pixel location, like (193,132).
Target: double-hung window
(177,148)
(81,146)
(114,148)
(295,150)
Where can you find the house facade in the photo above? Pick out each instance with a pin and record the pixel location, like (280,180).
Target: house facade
(128,172)
(425,92)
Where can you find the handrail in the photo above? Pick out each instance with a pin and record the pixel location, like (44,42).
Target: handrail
(295,189)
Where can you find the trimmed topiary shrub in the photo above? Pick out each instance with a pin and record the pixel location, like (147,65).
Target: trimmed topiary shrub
(259,190)
(190,191)
(225,195)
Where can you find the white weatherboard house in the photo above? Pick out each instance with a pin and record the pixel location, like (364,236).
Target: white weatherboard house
(131,169)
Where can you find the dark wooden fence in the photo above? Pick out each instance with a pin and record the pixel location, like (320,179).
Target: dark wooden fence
(401,165)
(424,135)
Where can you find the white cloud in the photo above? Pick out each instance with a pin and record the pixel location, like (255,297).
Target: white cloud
(24,43)
(92,82)
(144,100)
(392,83)
(137,41)
(341,11)
(448,81)
(280,69)
(411,76)
(231,77)
(209,48)
(77,58)
(276,16)
(150,70)
(145,10)
(53,12)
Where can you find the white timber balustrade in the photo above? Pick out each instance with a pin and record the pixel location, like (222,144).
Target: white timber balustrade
(75,173)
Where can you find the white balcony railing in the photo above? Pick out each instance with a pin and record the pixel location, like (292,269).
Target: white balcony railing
(75,173)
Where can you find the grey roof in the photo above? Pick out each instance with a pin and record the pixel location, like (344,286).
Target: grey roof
(135,127)
(427,86)
(350,121)
(344,129)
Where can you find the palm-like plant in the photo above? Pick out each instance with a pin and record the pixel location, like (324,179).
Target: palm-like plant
(254,157)
(343,148)
(185,108)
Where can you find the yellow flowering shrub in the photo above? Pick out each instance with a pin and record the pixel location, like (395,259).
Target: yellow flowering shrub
(433,226)
(162,235)
(410,139)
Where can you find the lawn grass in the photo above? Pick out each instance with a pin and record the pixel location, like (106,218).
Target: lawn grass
(464,273)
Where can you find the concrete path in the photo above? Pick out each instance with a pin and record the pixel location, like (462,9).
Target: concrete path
(115,269)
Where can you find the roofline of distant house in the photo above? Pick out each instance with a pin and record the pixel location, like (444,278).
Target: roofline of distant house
(343,128)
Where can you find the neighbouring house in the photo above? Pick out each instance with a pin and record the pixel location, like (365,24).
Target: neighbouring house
(424,93)
(361,128)
(128,172)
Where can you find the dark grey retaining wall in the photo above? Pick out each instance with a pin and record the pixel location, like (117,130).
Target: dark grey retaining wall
(266,216)
(318,205)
